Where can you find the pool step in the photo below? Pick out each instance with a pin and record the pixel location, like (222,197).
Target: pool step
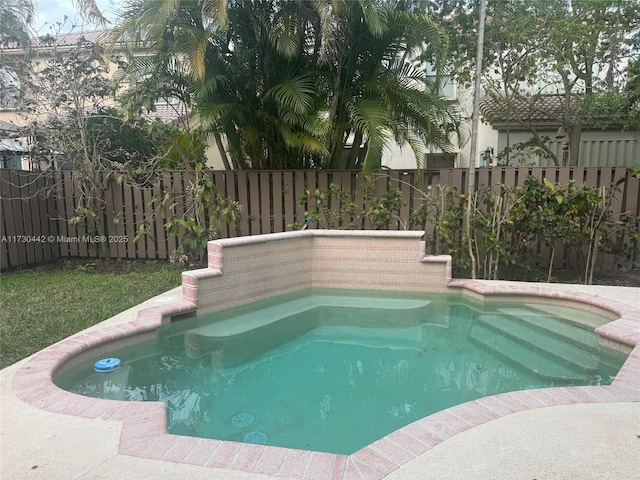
(560,327)
(577,351)
(245,322)
(545,367)
(254,331)
(581,318)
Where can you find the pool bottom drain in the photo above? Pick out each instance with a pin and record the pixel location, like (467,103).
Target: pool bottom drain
(257,438)
(241,420)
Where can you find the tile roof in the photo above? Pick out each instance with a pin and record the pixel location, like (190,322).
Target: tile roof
(549,110)
(64,39)
(535,109)
(72,38)
(167,112)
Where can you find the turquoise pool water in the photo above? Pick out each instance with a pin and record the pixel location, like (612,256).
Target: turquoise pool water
(334,371)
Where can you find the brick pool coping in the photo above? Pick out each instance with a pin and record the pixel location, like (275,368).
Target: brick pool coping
(144,425)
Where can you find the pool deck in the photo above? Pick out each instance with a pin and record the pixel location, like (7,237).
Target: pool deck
(563,433)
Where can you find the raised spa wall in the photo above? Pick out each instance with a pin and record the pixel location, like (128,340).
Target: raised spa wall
(247,269)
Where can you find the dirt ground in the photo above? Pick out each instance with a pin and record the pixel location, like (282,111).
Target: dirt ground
(619,278)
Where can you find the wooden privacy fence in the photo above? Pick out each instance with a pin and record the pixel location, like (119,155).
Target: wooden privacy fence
(36,208)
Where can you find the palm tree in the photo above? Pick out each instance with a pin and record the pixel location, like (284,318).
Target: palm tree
(262,88)
(246,82)
(16,20)
(288,84)
(380,93)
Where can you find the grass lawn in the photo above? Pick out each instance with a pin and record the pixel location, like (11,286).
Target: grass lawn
(44,305)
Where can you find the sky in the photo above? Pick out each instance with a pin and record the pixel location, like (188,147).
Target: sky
(49,12)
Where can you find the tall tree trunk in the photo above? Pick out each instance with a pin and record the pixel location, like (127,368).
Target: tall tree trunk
(338,141)
(355,150)
(223,153)
(574,144)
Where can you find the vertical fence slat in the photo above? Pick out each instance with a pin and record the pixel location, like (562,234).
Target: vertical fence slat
(161,233)
(4,211)
(592,177)
(72,196)
(365,183)
(299,191)
(538,172)
(253,203)
(15,252)
(151,239)
(61,212)
(565,174)
(317,181)
(24,221)
(606,178)
(289,198)
(457,179)
(394,183)
(243,198)
(54,221)
(381,185)
(42,185)
(119,248)
(266,214)
(358,194)
(217,177)
(162,212)
(253,190)
(579,176)
(483,178)
(129,223)
(81,247)
(279,223)
(509,178)
(141,244)
(404,184)
(633,207)
(230,185)
(618,174)
(37,215)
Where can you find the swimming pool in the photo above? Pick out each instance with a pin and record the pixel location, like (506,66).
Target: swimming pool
(249,269)
(311,369)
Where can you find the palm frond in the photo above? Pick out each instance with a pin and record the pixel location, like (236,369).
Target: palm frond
(284,35)
(369,116)
(193,43)
(16,20)
(89,10)
(214,14)
(299,140)
(374,16)
(296,94)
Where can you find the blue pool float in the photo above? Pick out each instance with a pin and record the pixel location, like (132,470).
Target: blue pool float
(106,364)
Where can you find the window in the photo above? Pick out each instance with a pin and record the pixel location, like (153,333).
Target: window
(437,161)
(447,83)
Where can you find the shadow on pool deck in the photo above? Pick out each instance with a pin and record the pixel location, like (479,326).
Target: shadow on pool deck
(579,440)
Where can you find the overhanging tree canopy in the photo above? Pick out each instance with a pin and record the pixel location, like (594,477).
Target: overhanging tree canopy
(575,50)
